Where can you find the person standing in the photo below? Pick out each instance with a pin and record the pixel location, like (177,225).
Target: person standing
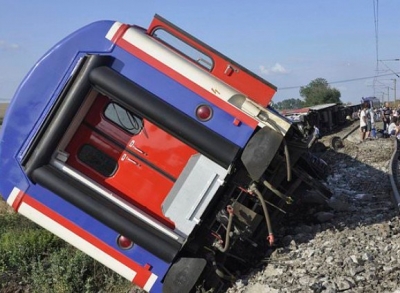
(363,122)
(386,111)
(316,134)
(368,118)
(393,126)
(372,117)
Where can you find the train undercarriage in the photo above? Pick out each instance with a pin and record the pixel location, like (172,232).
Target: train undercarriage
(237,232)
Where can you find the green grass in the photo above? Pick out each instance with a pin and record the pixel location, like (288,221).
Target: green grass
(34,260)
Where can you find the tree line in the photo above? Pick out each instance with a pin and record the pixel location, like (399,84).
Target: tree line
(317,92)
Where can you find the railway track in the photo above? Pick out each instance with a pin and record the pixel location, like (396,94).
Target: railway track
(394,173)
(394,168)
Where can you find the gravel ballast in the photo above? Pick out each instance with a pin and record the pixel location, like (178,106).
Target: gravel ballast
(351,243)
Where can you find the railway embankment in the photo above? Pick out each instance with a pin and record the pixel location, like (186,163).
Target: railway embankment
(3,108)
(351,244)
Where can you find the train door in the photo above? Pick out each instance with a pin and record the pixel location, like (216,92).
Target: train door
(128,155)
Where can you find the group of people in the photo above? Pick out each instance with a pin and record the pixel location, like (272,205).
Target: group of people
(369,116)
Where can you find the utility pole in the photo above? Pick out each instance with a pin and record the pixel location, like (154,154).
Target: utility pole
(388,95)
(394,89)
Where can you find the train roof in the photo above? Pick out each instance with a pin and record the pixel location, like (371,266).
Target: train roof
(323,106)
(217,64)
(308,109)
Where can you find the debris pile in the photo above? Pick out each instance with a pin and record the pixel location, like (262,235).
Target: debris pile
(352,243)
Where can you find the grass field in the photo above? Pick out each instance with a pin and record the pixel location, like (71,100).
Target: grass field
(34,260)
(3,107)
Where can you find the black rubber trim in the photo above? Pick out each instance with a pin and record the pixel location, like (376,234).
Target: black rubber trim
(183,275)
(260,151)
(178,124)
(107,212)
(53,129)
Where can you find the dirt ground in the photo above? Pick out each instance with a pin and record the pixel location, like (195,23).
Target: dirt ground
(3,108)
(4,208)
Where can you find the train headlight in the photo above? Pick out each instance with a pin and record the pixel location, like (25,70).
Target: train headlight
(204,112)
(124,242)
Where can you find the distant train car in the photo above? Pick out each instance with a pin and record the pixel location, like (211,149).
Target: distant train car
(373,102)
(154,154)
(326,117)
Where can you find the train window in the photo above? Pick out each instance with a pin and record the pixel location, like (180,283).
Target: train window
(97,160)
(184,48)
(123,118)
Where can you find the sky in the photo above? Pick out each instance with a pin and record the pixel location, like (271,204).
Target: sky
(353,44)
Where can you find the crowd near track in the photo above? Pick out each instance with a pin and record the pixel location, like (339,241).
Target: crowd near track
(394,173)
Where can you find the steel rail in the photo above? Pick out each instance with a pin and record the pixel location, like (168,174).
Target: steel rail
(394,173)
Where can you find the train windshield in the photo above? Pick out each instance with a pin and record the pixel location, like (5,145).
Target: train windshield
(122,117)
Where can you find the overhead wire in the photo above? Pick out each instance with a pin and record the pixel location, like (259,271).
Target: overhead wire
(395,73)
(341,81)
(375,4)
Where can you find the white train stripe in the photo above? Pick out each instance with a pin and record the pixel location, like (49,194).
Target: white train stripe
(195,74)
(174,61)
(76,241)
(13,195)
(114,28)
(150,282)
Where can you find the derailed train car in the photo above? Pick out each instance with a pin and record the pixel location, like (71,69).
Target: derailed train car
(154,154)
(326,117)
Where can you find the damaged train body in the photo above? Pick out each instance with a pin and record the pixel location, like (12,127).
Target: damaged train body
(153,153)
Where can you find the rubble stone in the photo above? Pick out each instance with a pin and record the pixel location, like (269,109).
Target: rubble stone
(354,246)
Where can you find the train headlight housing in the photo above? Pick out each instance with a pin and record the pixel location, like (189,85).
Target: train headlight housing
(124,242)
(204,112)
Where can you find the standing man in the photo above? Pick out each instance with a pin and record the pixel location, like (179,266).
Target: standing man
(386,111)
(373,118)
(368,115)
(363,122)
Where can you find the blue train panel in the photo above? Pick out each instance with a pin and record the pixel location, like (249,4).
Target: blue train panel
(158,160)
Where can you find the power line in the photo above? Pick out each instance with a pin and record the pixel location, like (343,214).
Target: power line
(376,17)
(341,81)
(376,22)
(375,4)
(390,68)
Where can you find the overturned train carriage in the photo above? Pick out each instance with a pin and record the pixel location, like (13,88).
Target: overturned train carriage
(160,159)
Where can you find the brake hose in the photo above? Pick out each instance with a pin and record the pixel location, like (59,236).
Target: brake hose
(270,237)
(228,230)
